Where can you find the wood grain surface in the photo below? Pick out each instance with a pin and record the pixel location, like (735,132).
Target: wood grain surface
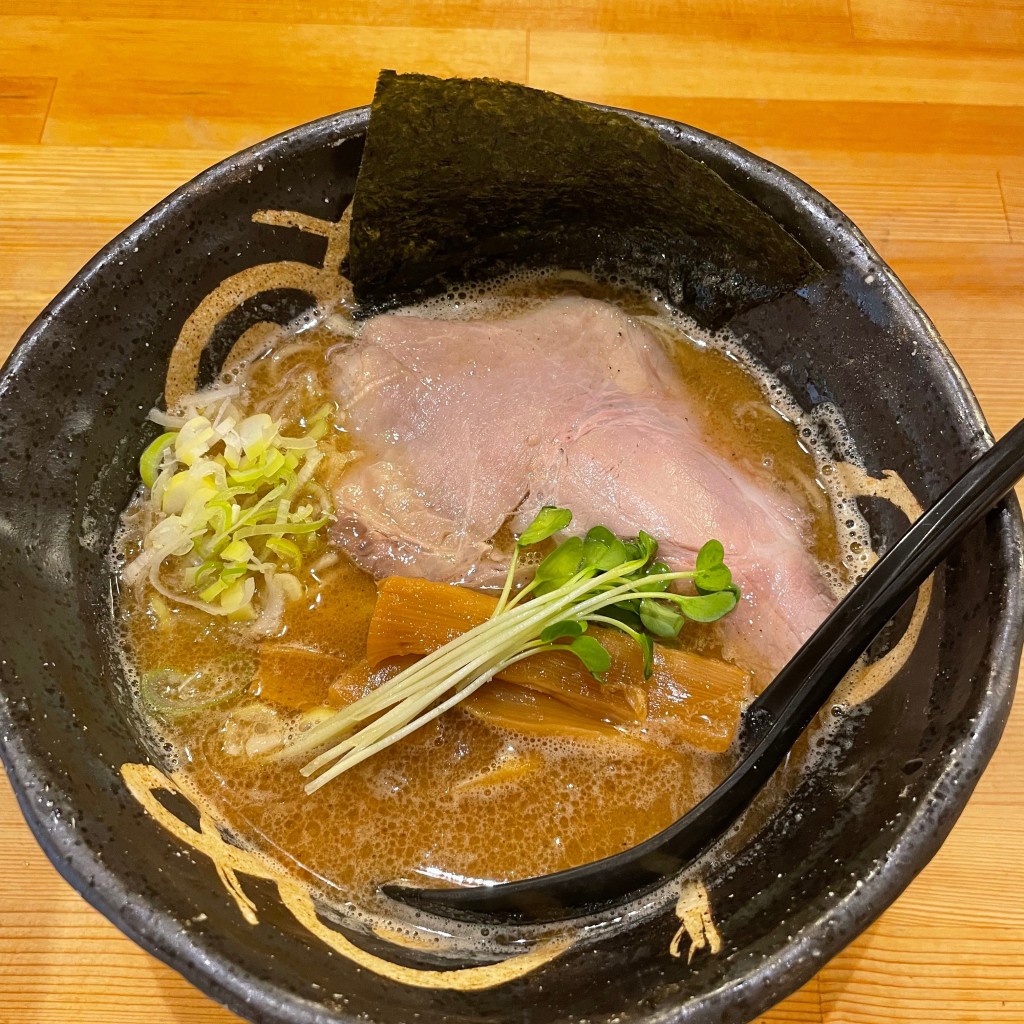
(909,115)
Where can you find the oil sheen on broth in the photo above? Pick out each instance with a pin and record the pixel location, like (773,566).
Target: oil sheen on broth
(460,800)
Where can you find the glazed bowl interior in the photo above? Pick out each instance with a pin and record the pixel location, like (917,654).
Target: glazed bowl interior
(851,835)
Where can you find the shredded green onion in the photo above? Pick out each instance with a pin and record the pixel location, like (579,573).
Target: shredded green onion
(153,686)
(231,500)
(151,458)
(287,550)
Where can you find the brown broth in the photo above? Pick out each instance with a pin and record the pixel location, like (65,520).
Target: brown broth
(426,807)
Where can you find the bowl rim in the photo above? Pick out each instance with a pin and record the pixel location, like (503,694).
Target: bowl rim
(777,975)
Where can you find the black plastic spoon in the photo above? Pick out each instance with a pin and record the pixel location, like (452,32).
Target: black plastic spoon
(770,725)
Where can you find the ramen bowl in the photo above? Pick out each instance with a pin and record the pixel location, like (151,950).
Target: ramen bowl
(253,240)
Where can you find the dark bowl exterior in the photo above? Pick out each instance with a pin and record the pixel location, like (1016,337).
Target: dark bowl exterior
(73,401)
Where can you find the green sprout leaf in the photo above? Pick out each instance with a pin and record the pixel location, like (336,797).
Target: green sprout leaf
(596,659)
(649,578)
(563,563)
(716,578)
(647,647)
(708,607)
(602,550)
(549,520)
(710,555)
(634,552)
(565,628)
(625,614)
(648,545)
(660,618)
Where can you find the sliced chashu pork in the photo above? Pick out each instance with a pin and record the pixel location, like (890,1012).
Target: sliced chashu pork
(465,423)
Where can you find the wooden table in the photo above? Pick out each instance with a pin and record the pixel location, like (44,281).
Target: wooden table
(909,115)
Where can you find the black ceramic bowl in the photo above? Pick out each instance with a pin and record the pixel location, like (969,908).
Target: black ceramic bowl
(73,400)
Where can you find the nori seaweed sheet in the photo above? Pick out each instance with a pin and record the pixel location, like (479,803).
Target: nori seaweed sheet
(463,179)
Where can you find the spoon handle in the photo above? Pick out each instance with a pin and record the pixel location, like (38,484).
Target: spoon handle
(772,723)
(796,694)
